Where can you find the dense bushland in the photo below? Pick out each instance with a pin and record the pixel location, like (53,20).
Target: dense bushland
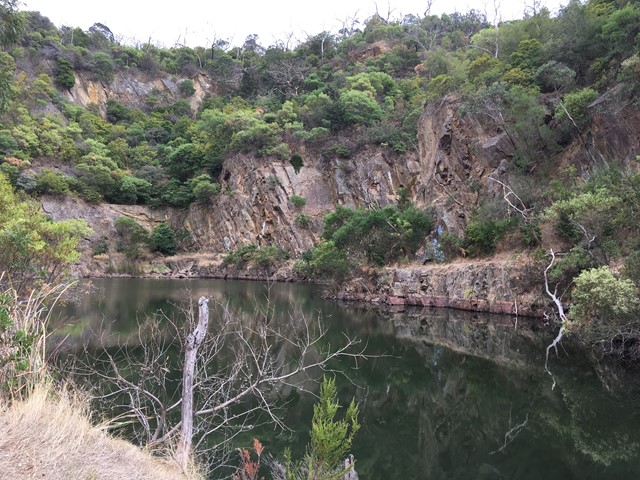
(280,101)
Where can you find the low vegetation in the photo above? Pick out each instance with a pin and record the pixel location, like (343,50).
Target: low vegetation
(264,257)
(50,435)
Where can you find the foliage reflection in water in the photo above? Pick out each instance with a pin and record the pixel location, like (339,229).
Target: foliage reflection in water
(450,395)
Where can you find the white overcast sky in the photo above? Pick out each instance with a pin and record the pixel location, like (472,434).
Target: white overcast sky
(198,22)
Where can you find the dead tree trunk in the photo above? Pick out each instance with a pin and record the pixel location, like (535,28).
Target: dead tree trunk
(192,344)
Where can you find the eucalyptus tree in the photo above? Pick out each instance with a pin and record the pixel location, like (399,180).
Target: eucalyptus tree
(11,23)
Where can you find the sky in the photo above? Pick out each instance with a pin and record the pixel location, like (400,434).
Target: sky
(199,22)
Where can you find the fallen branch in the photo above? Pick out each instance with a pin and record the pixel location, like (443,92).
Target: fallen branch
(435,177)
(511,434)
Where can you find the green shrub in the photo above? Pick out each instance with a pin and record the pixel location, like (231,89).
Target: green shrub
(204,189)
(8,144)
(117,113)
(241,255)
(605,311)
(569,265)
(132,190)
(270,256)
(101,248)
(281,151)
(102,66)
(267,256)
(331,439)
(374,236)
(481,238)
(336,219)
(177,194)
(340,150)
(186,88)
(297,162)
(382,235)
(325,261)
(576,104)
(359,107)
(452,245)
(65,76)
(11,172)
(50,182)
(163,239)
(132,237)
(303,220)
(298,201)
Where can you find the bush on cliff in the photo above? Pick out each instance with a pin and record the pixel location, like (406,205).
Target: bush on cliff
(163,240)
(375,237)
(379,236)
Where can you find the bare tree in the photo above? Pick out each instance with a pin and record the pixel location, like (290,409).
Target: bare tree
(496,19)
(349,25)
(387,18)
(288,75)
(234,373)
(192,345)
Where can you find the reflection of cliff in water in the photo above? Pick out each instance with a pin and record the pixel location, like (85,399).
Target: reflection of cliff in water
(499,338)
(461,384)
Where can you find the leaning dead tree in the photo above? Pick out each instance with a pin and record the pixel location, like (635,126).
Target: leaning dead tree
(234,373)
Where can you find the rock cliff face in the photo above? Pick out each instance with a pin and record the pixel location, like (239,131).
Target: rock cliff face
(257,208)
(457,158)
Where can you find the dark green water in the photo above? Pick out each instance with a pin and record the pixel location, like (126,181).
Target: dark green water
(439,403)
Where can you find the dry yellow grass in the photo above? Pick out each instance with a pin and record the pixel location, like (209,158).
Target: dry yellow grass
(50,437)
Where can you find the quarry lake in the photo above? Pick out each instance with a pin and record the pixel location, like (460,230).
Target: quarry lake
(445,395)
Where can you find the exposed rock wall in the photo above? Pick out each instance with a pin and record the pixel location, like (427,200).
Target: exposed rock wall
(134,89)
(458,157)
(256,208)
(504,285)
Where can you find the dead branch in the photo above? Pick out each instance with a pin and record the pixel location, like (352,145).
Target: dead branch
(511,434)
(508,192)
(563,318)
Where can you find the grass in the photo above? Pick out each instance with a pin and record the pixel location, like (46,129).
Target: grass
(46,433)
(49,436)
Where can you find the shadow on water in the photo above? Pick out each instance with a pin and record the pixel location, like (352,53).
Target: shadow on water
(446,395)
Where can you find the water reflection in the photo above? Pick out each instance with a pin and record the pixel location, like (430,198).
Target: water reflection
(439,399)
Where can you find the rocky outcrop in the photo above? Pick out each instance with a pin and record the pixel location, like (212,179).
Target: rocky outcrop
(253,207)
(133,88)
(497,286)
(458,157)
